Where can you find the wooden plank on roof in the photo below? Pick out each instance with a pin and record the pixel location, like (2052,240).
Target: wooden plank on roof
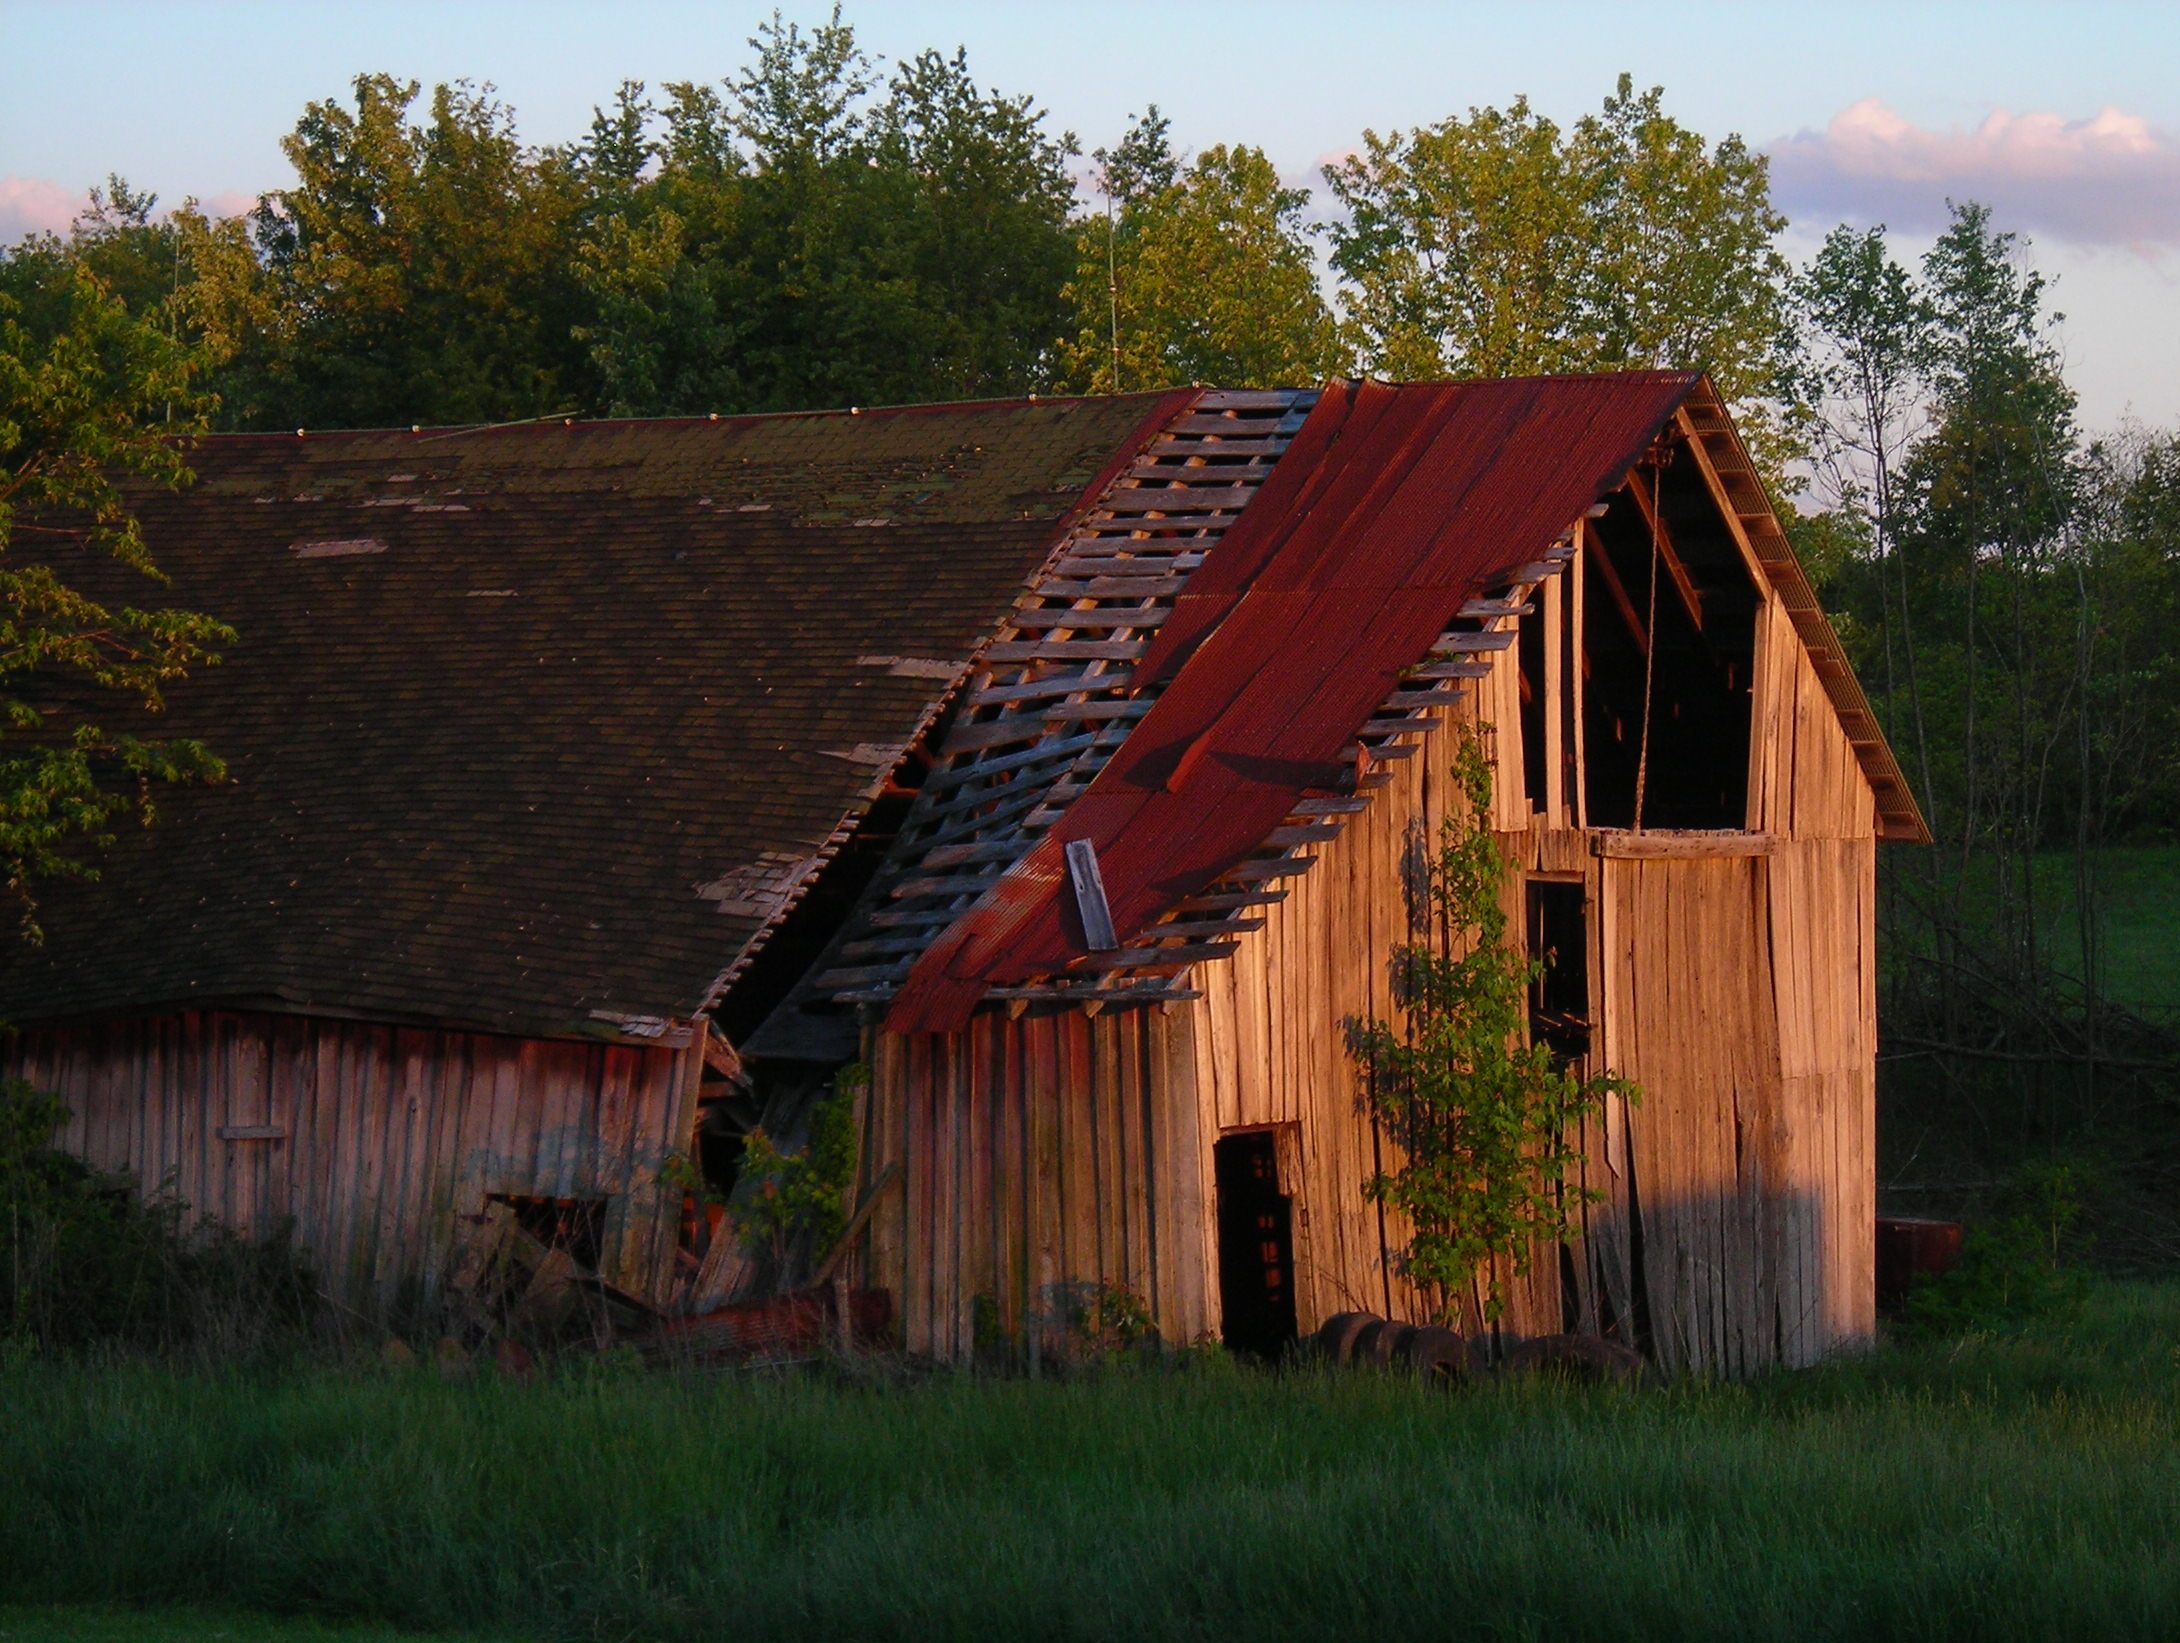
(1239,426)
(1143,957)
(1044,753)
(1213,900)
(1234,923)
(1178,499)
(1155,560)
(1273,446)
(1089,887)
(1130,707)
(1252,399)
(1081,619)
(1459,644)
(1146,582)
(1056,684)
(1193,459)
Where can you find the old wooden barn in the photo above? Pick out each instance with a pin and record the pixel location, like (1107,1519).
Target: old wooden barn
(600,787)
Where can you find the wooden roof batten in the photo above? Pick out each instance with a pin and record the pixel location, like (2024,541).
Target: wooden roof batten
(1050,699)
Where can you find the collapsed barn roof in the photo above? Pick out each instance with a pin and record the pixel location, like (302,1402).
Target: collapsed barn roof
(539,728)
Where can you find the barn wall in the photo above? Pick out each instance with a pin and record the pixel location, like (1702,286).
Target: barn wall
(1736,1197)
(388,1137)
(1044,1156)
(1735,984)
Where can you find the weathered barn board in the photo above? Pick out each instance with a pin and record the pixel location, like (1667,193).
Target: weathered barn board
(376,1144)
(1045,1157)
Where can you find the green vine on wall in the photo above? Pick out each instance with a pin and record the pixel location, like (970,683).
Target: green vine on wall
(1484,1123)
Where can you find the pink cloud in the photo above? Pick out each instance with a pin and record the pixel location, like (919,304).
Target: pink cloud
(227,204)
(31,205)
(2112,180)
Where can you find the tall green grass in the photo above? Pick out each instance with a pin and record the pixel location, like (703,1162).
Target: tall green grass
(2027,1487)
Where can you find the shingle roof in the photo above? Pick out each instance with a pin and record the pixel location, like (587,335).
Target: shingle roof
(532,727)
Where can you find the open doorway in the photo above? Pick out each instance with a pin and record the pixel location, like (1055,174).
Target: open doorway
(1256,1246)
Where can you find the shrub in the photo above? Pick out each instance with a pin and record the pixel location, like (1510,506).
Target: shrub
(89,1261)
(2024,1265)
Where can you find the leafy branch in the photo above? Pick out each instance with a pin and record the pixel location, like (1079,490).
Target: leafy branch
(91,397)
(1482,1121)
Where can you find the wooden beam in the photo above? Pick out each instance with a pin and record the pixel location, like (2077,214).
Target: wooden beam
(720,1056)
(1750,558)
(1554,620)
(1089,887)
(1679,845)
(1600,557)
(1684,585)
(1578,675)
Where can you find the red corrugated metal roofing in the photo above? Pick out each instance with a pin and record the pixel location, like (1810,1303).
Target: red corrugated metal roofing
(1394,506)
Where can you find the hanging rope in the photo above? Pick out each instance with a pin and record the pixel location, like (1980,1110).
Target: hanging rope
(1650,630)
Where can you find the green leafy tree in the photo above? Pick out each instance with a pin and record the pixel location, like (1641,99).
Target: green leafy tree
(93,399)
(1869,339)
(979,196)
(416,271)
(814,236)
(1202,273)
(1500,245)
(1481,1120)
(661,263)
(787,1203)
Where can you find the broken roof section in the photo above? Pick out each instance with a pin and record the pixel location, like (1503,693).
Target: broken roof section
(539,728)
(1393,509)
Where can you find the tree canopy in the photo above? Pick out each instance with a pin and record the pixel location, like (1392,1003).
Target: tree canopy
(94,398)
(1203,272)
(1497,244)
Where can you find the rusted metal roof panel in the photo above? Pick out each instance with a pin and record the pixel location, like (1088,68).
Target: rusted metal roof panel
(1395,505)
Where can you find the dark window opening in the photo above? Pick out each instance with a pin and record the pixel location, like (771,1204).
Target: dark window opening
(1703,652)
(1256,1246)
(576,1225)
(719,1138)
(1559,998)
(722,1128)
(1529,651)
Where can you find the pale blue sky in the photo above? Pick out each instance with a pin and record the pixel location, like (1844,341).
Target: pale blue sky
(1871,110)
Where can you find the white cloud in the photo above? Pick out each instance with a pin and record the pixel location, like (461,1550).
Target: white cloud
(31,205)
(2110,180)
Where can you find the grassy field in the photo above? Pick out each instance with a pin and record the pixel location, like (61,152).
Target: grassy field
(80,1623)
(2025,1487)
(2138,903)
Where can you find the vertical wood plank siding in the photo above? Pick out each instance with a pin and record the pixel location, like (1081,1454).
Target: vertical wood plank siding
(1737,1197)
(393,1137)
(1043,1157)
